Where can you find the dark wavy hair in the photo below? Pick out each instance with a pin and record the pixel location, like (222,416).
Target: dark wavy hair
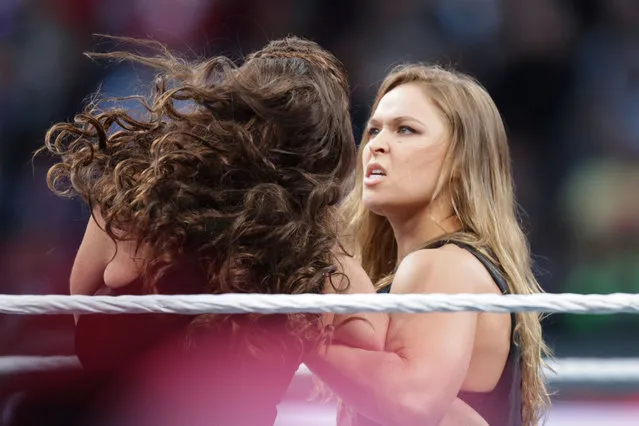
(236,171)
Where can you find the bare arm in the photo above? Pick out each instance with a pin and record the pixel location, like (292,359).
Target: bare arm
(417,380)
(367,331)
(102,262)
(92,258)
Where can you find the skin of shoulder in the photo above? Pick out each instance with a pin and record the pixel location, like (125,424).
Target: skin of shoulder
(448,269)
(93,256)
(101,261)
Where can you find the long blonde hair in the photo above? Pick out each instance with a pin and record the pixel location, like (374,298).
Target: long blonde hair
(480,184)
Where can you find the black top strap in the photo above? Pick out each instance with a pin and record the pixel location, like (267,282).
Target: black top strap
(495,272)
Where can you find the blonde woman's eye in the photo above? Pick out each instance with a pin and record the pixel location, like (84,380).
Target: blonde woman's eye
(372,131)
(405,130)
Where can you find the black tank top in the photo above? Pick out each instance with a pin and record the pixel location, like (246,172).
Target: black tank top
(501,406)
(236,384)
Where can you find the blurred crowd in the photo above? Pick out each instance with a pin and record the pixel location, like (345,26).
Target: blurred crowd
(564,73)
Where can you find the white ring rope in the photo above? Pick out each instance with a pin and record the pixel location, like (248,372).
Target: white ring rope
(318,303)
(14,364)
(578,370)
(564,370)
(567,370)
(617,370)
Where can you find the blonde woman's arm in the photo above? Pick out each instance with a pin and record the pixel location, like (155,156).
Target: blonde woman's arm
(366,331)
(417,379)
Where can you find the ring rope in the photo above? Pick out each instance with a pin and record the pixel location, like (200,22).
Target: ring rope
(319,303)
(563,370)
(578,370)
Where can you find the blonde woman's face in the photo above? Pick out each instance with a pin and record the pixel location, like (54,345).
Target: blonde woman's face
(403,159)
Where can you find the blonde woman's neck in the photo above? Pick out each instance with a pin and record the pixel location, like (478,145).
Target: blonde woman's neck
(412,232)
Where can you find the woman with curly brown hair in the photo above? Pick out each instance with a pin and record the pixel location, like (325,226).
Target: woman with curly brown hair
(229,183)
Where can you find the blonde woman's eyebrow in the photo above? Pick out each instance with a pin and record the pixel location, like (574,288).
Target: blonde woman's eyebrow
(399,119)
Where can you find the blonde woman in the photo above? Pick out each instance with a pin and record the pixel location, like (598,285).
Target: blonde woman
(433,211)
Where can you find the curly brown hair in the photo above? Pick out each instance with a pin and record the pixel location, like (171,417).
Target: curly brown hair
(236,171)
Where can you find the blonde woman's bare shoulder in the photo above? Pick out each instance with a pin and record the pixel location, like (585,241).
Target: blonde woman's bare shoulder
(447,269)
